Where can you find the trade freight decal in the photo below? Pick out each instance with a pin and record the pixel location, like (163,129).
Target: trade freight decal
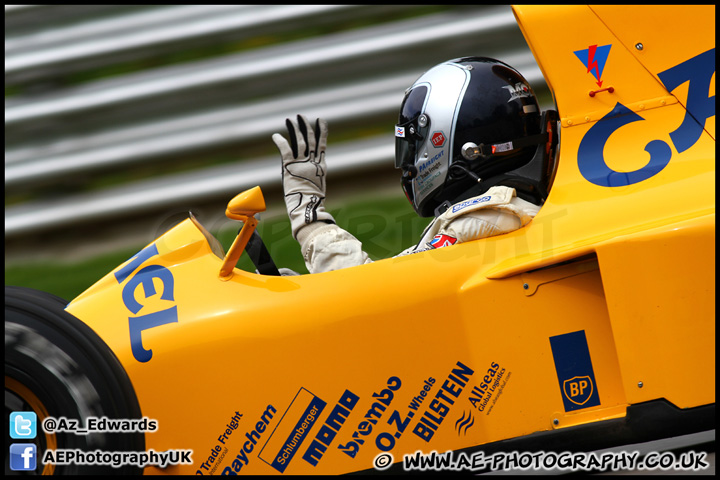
(218,452)
(145,278)
(698,73)
(429,166)
(575,374)
(292,430)
(243,457)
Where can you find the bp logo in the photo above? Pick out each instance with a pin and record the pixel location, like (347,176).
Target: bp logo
(438,139)
(578,389)
(575,374)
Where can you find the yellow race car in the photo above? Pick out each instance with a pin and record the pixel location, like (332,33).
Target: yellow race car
(591,327)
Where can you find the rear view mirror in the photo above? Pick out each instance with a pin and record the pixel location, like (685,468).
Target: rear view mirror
(243,208)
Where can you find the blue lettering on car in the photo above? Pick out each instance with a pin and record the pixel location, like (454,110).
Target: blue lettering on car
(698,71)
(145,278)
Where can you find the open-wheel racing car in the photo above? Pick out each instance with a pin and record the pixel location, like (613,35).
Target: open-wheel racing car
(591,327)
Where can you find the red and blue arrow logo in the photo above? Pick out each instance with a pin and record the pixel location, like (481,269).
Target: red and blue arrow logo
(594,59)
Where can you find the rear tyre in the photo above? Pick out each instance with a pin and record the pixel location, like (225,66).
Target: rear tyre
(56,366)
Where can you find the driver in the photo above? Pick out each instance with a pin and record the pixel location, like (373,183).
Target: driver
(474,151)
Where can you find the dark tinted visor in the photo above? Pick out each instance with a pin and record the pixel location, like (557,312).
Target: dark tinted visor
(405,136)
(412,104)
(404,145)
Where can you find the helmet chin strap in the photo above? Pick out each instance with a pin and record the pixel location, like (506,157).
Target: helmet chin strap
(465,171)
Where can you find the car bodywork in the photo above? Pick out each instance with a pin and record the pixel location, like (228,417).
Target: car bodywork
(603,306)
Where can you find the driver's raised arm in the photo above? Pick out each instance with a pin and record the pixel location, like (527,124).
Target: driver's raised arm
(323,244)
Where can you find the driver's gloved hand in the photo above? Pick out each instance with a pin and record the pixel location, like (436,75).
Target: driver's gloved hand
(303,172)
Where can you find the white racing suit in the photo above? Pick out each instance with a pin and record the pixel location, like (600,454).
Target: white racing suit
(327,247)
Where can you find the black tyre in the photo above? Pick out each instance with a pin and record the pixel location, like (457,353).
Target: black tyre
(57,366)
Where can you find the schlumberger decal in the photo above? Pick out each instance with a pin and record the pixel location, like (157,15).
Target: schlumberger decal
(293,429)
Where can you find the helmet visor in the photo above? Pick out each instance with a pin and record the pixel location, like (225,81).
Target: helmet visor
(407,131)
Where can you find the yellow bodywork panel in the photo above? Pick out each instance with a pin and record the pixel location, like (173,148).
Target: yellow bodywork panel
(415,377)
(657,261)
(605,300)
(664,296)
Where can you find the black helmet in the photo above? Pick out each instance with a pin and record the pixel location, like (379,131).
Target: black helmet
(462,122)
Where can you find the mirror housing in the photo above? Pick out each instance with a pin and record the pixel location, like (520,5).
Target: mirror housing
(243,208)
(246,204)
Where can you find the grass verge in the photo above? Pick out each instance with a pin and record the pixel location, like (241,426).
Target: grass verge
(384,226)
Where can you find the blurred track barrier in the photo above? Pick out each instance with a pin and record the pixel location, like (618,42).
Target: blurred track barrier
(97,93)
(223,182)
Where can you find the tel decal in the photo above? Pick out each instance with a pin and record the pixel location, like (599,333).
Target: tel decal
(144,278)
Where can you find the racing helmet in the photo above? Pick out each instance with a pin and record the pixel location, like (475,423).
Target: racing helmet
(464,121)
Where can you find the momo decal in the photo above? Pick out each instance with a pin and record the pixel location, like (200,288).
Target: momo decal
(594,59)
(145,278)
(575,374)
(330,428)
(293,429)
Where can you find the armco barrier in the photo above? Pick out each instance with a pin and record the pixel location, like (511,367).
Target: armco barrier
(61,136)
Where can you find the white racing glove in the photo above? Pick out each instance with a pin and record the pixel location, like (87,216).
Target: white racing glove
(303,172)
